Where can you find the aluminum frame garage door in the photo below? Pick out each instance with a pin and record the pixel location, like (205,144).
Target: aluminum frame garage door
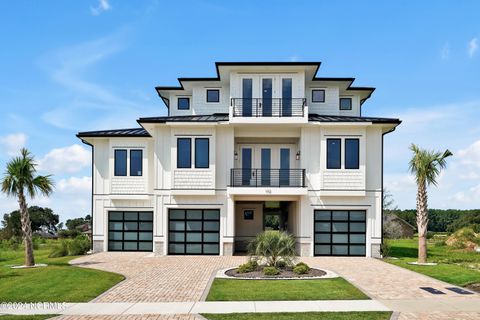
(194,232)
(340,232)
(130,231)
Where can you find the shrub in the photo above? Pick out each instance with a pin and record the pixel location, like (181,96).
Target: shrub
(78,246)
(439,243)
(463,238)
(69,233)
(250,266)
(281,264)
(59,250)
(270,271)
(392,230)
(273,246)
(385,248)
(301,269)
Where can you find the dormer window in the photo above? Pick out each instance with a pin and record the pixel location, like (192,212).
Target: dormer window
(183,103)
(345,103)
(318,96)
(213,95)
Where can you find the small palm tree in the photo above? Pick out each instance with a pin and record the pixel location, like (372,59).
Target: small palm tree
(426,166)
(273,246)
(20,180)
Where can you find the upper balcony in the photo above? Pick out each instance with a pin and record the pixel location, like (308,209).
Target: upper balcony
(272,110)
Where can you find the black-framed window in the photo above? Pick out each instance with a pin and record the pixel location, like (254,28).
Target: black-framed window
(136,165)
(345,103)
(334,150)
(352,153)
(248,214)
(194,231)
(202,150)
(340,232)
(184,153)
(183,103)
(318,95)
(130,231)
(213,95)
(120,162)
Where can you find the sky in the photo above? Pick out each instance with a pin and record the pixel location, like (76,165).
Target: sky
(69,66)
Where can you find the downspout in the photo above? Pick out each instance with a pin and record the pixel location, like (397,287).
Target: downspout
(91,208)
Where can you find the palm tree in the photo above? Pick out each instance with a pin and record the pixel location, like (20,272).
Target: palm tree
(20,180)
(426,166)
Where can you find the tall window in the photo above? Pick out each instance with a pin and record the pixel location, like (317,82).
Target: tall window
(136,163)
(183,103)
(334,153)
(318,96)
(120,159)
(201,153)
(184,153)
(352,151)
(345,103)
(213,95)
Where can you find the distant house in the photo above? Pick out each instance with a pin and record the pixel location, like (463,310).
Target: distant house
(395,227)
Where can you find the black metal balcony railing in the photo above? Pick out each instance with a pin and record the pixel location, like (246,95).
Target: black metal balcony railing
(258,178)
(261,107)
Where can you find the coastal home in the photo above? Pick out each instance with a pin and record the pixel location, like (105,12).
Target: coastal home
(260,146)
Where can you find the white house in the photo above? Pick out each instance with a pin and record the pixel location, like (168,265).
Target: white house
(263,145)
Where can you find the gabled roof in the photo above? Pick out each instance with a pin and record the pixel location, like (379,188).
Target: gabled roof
(327,118)
(134,132)
(216,117)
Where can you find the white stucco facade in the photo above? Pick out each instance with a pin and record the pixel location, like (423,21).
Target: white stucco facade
(268,165)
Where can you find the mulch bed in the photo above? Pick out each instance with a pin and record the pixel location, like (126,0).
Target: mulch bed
(284,273)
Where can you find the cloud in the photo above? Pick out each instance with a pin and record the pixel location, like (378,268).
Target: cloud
(470,155)
(68,159)
(74,185)
(467,197)
(103,6)
(445,52)
(472,47)
(12,143)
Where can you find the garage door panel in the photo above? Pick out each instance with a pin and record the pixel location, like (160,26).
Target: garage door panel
(130,231)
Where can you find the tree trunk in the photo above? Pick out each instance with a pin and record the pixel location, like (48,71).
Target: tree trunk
(422,222)
(27,230)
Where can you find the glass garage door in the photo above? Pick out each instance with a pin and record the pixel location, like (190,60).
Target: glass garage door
(340,233)
(194,231)
(130,231)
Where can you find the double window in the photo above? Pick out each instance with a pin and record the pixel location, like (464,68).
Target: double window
(121,160)
(351,153)
(184,153)
(318,96)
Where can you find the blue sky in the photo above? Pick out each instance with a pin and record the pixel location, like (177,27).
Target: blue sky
(81,65)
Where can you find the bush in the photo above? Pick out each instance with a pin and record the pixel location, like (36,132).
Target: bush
(301,269)
(69,233)
(385,248)
(78,246)
(250,266)
(273,246)
(281,264)
(392,230)
(439,243)
(59,250)
(271,271)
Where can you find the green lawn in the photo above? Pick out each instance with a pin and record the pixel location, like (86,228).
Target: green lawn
(454,266)
(302,316)
(24,317)
(271,290)
(59,282)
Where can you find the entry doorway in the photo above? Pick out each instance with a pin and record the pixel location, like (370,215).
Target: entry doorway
(275,215)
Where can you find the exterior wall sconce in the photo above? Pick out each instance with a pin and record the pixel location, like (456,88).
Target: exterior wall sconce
(235,154)
(298,155)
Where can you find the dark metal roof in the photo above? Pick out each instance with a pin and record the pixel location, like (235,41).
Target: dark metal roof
(327,118)
(134,132)
(216,117)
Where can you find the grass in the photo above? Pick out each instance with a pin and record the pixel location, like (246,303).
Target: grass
(25,317)
(275,290)
(457,267)
(302,316)
(58,282)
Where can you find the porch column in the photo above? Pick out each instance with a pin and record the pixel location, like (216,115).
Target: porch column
(228,240)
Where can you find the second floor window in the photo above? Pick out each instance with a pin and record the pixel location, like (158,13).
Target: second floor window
(184,153)
(345,103)
(334,147)
(352,152)
(201,153)
(213,95)
(120,159)
(183,103)
(318,96)
(136,167)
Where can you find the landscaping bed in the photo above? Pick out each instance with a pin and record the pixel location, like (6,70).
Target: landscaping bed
(287,272)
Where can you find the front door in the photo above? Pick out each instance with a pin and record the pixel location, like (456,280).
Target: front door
(284,176)
(267,95)
(247,172)
(266,162)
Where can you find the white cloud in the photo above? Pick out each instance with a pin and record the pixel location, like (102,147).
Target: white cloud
(68,159)
(445,52)
(103,6)
(12,143)
(74,185)
(470,155)
(472,46)
(467,197)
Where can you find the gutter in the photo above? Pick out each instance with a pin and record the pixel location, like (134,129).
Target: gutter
(91,208)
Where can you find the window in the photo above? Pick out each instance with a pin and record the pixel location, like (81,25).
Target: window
(352,151)
(334,153)
(120,163)
(184,153)
(136,162)
(248,214)
(213,95)
(183,103)
(318,96)
(345,103)
(201,153)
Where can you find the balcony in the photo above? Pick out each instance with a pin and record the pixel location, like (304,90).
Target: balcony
(275,110)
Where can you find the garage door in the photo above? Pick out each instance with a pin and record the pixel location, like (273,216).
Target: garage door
(130,231)
(340,233)
(194,231)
